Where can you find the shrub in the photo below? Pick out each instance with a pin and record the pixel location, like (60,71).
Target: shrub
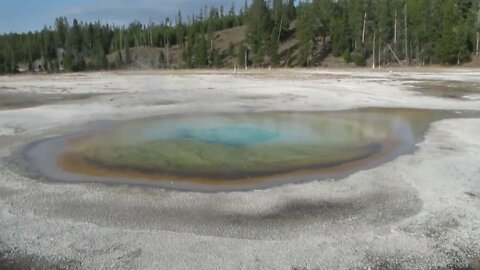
(346,56)
(358,60)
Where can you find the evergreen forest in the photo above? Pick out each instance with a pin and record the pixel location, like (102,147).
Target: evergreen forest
(277,33)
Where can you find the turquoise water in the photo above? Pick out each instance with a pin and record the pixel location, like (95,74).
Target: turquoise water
(216,151)
(257,129)
(237,146)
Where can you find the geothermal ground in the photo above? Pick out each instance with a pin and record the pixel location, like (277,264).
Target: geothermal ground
(419,211)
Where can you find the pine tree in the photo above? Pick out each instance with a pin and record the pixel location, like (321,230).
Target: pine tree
(447,46)
(306,33)
(258,26)
(340,35)
(161,60)
(426,31)
(217,59)
(75,39)
(279,18)
(273,46)
(243,55)
(68,62)
(2,64)
(201,52)
(128,59)
(291,10)
(61,29)
(231,50)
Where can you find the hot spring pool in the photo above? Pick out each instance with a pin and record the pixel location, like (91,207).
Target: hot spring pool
(221,152)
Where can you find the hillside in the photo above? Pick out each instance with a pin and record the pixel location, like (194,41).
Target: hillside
(280,34)
(147,57)
(150,57)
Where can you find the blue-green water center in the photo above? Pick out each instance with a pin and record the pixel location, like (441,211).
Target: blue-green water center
(233,149)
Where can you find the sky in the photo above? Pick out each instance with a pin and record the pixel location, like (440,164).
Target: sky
(32,15)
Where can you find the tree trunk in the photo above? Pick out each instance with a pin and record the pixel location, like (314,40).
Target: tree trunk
(478,32)
(168,53)
(374,40)
(395,31)
(151,37)
(246,58)
(121,40)
(280,29)
(478,40)
(406,35)
(380,50)
(398,60)
(364,25)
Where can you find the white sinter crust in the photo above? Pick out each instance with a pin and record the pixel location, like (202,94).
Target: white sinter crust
(419,211)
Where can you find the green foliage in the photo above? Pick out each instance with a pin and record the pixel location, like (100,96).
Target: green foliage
(242,60)
(427,31)
(51,66)
(98,62)
(75,39)
(447,49)
(288,58)
(231,50)
(291,10)
(272,48)
(340,37)
(259,25)
(201,52)
(128,57)
(162,63)
(81,65)
(86,45)
(68,62)
(358,59)
(452,47)
(217,59)
(306,33)
(61,30)
(347,56)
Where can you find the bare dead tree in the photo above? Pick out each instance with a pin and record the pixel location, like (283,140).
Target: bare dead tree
(395,55)
(280,29)
(406,34)
(151,36)
(246,57)
(395,30)
(374,40)
(477,26)
(380,49)
(364,25)
(167,44)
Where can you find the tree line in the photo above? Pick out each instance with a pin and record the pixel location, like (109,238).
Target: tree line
(407,32)
(79,46)
(278,33)
(410,31)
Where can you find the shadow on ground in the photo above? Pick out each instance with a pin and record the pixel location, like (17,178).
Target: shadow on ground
(10,260)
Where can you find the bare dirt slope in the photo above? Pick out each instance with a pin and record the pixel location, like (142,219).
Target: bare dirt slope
(146,57)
